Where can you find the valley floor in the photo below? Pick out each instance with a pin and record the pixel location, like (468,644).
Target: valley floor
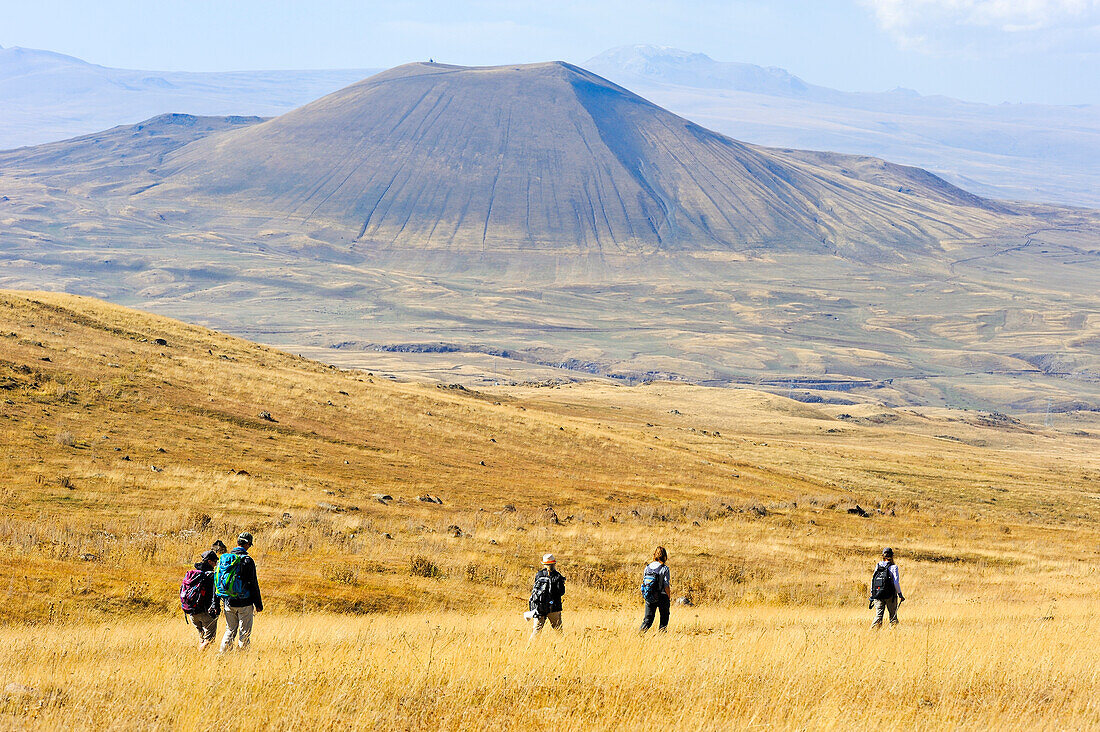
(967,666)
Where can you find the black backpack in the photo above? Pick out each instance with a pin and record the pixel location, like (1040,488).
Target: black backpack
(542,595)
(882,583)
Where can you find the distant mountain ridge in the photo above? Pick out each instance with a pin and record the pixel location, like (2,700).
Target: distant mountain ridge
(48,96)
(697,69)
(1019,151)
(686,68)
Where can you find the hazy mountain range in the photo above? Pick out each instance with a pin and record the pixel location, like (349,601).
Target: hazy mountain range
(1015,151)
(503,220)
(46,96)
(1020,151)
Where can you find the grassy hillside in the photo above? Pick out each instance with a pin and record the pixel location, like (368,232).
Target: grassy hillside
(125,457)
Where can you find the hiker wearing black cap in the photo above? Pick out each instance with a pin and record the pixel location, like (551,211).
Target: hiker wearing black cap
(235,583)
(886,589)
(198,599)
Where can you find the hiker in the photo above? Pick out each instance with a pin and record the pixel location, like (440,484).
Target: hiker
(219,547)
(198,599)
(235,583)
(886,589)
(546,594)
(656,589)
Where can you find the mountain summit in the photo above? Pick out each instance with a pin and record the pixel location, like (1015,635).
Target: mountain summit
(550,156)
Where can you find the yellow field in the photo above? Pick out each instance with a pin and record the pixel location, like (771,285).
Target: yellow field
(123,458)
(947,667)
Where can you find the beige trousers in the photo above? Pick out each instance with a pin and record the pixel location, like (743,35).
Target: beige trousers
(539,621)
(207,625)
(881,607)
(238,622)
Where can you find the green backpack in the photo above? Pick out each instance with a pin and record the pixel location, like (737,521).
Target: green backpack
(227,576)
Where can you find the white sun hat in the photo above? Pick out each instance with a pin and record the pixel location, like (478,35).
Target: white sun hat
(548,559)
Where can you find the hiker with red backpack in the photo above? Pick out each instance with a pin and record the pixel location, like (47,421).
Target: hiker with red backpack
(656,590)
(235,584)
(886,589)
(198,599)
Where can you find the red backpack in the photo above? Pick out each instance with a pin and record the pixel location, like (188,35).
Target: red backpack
(195,592)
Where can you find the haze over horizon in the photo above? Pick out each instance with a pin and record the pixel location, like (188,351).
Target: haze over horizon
(977,50)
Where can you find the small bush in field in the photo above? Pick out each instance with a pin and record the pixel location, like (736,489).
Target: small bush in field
(137,593)
(68,439)
(421,566)
(198,519)
(340,574)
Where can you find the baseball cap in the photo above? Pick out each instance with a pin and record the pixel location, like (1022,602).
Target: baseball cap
(887,552)
(548,559)
(245,536)
(209,554)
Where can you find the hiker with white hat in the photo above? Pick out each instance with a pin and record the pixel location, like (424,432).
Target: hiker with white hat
(546,594)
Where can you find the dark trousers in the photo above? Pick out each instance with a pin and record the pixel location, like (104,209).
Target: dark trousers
(651,609)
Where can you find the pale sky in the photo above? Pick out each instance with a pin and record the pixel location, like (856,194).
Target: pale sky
(980,50)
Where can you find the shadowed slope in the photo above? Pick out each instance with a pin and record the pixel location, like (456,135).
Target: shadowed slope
(546,156)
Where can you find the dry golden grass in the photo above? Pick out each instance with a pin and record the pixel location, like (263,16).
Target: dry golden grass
(994,522)
(948,666)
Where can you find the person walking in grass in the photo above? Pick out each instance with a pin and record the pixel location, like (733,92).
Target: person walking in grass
(235,583)
(198,599)
(886,589)
(546,594)
(657,590)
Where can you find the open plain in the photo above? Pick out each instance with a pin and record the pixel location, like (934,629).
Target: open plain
(125,455)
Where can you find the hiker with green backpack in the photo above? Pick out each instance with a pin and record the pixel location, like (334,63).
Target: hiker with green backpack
(656,590)
(886,589)
(199,601)
(235,583)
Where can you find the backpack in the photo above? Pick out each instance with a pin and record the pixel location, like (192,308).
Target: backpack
(882,583)
(195,592)
(652,584)
(227,576)
(542,595)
